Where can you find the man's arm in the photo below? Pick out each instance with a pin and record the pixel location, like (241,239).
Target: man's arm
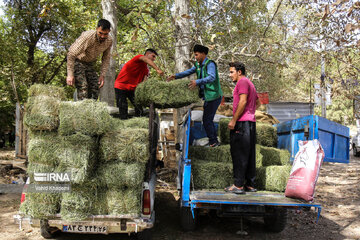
(239,111)
(182,74)
(105,62)
(152,64)
(258,103)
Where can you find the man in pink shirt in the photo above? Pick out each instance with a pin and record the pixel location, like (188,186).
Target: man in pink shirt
(243,130)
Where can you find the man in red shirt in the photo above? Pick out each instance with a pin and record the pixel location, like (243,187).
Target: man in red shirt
(132,73)
(243,130)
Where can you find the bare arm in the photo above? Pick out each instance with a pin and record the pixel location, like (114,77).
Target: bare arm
(258,103)
(152,64)
(239,111)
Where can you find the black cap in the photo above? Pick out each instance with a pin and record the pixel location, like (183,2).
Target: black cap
(201,49)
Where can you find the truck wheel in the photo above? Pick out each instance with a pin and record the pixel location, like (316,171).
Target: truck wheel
(355,152)
(275,219)
(144,235)
(46,231)
(188,223)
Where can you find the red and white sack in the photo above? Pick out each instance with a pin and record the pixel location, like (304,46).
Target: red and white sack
(305,170)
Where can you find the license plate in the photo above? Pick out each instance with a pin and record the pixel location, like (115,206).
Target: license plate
(84,229)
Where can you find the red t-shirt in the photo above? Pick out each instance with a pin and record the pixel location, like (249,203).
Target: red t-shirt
(245,86)
(132,73)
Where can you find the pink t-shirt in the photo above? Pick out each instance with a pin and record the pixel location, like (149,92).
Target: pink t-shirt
(245,86)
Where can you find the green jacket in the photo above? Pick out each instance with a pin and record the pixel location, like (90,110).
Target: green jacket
(212,90)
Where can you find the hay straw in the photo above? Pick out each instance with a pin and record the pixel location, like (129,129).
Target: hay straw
(124,201)
(211,175)
(219,154)
(100,205)
(121,175)
(126,145)
(43,148)
(78,204)
(87,117)
(274,156)
(137,122)
(47,90)
(41,205)
(172,94)
(39,168)
(42,113)
(78,156)
(272,178)
(266,134)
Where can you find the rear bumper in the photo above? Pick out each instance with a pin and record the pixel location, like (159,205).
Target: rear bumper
(114,224)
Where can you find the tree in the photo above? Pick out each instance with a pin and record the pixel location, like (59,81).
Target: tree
(107,93)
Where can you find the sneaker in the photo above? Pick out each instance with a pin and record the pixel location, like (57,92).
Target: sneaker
(215,144)
(235,189)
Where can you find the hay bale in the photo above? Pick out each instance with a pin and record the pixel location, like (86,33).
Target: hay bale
(258,156)
(274,156)
(174,94)
(121,175)
(224,132)
(211,175)
(126,145)
(42,113)
(137,122)
(266,134)
(77,205)
(41,205)
(124,201)
(218,154)
(100,206)
(87,117)
(78,154)
(272,178)
(47,90)
(43,148)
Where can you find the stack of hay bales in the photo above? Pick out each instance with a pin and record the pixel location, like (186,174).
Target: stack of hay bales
(124,152)
(212,167)
(42,120)
(106,157)
(174,94)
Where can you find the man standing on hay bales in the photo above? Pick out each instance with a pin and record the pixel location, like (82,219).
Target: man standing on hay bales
(209,89)
(243,131)
(81,59)
(132,73)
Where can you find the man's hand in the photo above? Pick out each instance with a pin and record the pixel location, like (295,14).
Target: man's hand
(192,84)
(231,124)
(70,80)
(160,72)
(101,81)
(170,78)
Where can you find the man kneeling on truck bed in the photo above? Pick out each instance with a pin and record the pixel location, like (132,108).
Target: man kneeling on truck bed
(243,131)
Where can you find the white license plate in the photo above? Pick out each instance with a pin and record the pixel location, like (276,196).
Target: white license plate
(84,229)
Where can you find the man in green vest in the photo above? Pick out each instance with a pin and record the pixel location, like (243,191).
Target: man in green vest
(209,89)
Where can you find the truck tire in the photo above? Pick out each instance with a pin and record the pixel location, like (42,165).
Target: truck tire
(355,151)
(275,219)
(144,235)
(188,223)
(45,230)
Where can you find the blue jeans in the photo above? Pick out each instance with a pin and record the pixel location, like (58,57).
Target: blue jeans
(210,108)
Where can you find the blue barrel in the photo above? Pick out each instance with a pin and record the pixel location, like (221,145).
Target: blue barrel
(334,137)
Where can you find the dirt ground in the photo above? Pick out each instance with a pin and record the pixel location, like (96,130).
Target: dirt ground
(338,191)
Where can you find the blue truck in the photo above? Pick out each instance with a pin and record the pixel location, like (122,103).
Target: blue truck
(272,207)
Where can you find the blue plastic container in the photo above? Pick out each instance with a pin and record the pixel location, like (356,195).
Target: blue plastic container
(198,131)
(334,137)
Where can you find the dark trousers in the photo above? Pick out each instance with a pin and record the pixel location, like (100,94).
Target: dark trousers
(243,153)
(122,104)
(210,108)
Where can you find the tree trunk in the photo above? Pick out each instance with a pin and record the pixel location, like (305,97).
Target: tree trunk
(107,92)
(182,51)
(182,34)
